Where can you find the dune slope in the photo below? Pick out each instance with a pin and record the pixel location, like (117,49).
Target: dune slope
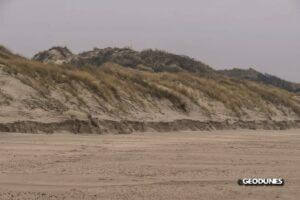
(109,97)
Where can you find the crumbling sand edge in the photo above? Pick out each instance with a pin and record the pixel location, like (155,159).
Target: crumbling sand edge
(95,126)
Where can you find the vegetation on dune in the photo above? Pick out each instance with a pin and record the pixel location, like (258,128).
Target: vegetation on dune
(5,53)
(147,60)
(111,83)
(252,74)
(156,61)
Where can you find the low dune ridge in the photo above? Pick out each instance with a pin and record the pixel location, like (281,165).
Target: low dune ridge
(127,91)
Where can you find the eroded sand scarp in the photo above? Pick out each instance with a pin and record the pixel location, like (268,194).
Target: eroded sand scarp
(185,165)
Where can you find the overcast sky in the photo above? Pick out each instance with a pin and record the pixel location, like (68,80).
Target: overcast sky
(264,34)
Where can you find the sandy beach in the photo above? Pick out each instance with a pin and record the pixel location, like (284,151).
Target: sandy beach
(176,165)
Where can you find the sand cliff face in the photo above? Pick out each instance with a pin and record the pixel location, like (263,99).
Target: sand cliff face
(101,96)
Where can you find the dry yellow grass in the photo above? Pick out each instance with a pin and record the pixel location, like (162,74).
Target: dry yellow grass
(110,81)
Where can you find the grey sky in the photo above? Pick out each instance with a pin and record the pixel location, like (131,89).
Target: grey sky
(222,33)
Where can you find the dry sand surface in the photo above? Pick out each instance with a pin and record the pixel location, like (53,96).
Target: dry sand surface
(185,165)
